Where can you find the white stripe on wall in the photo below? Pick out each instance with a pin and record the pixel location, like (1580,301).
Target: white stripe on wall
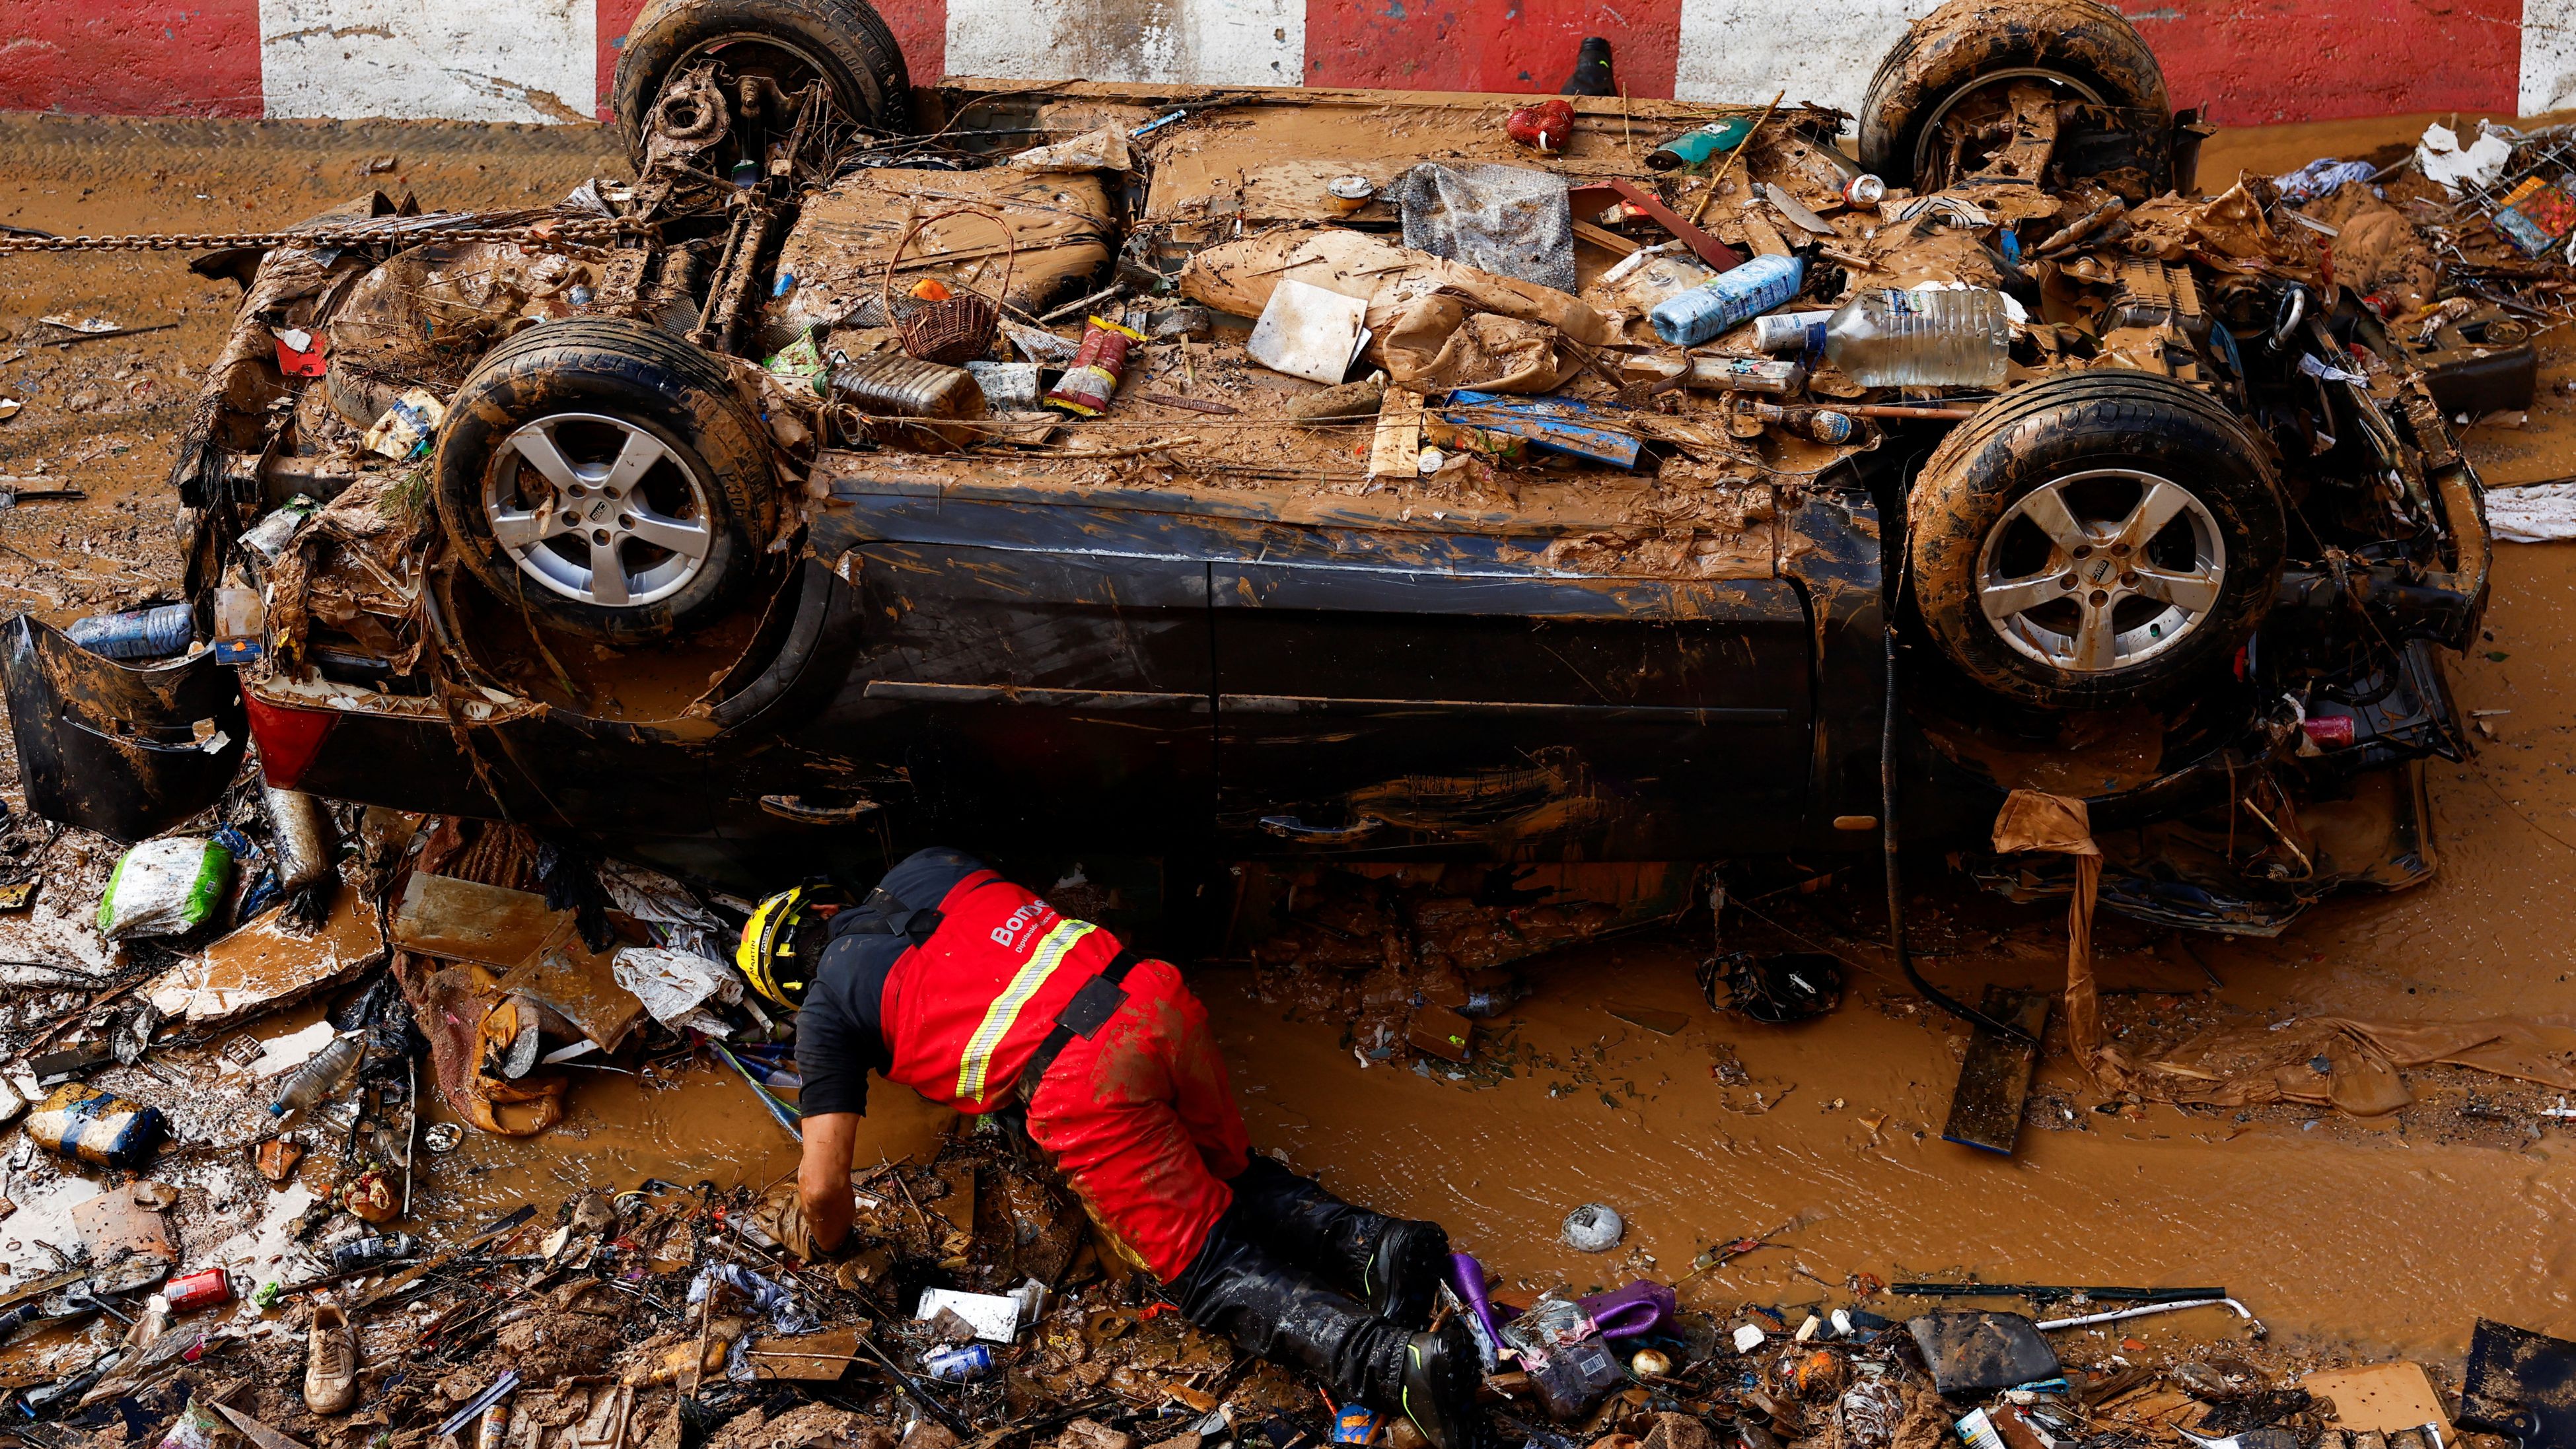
(2548,56)
(467,60)
(1184,42)
(1744,50)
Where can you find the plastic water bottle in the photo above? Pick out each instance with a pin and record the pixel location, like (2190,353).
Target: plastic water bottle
(154,633)
(1956,337)
(317,1078)
(1693,317)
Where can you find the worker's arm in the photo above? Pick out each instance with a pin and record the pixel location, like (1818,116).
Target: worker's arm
(823,1181)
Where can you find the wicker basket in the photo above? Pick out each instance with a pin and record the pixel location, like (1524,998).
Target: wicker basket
(958,328)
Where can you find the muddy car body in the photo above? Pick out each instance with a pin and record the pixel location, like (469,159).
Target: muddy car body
(1194,629)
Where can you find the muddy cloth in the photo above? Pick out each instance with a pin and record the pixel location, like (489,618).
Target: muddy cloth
(840,1032)
(1143,1124)
(2034,821)
(1508,220)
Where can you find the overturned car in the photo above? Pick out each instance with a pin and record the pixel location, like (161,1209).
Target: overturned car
(965,464)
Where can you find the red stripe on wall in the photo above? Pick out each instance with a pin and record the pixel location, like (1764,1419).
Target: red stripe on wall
(2252,64)
(1497,45)
(613,19)
(920,28)
(131,58)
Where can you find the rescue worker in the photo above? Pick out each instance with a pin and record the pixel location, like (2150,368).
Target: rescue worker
(974,992)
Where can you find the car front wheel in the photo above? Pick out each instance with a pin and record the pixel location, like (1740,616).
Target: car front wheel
(601,475)
(2095,539)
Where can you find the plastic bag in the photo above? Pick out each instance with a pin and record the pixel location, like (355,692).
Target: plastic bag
(672,984)
(1509,220)
(165,887)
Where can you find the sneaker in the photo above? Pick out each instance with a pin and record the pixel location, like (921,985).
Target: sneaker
(331,1361)
(1441,1374)
(1405,1267)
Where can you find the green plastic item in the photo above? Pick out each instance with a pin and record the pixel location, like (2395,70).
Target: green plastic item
(1695,147)
(165,887)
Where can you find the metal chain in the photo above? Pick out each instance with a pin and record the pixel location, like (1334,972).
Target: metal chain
(563,231)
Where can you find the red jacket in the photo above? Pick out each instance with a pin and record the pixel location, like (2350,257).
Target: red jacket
(966,1009)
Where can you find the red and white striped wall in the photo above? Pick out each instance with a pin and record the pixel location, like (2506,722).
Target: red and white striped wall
(2244,61)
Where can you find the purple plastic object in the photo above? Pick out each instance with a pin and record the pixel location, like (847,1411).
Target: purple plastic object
(1468,1277)
(1641,1307)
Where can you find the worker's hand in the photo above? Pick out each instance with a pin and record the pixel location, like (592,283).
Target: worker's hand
(823,1206)
(783,1217)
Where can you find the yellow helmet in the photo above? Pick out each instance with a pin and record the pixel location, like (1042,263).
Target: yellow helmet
(768,954)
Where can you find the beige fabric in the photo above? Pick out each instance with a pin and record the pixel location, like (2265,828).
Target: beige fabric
(1410,294)
(2034,821)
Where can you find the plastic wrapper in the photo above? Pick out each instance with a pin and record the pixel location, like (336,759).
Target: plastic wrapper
(165,887)
(673,984)
(1508,220)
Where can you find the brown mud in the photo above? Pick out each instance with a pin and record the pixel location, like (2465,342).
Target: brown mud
(2358,1238)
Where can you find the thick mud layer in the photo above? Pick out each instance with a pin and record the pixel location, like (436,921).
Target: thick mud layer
(2352,1238)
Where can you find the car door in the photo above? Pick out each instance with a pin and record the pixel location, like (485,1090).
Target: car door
(1493,709)
(1026,692)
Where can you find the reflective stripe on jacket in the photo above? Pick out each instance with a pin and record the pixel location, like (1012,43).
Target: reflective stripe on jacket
(965,1009)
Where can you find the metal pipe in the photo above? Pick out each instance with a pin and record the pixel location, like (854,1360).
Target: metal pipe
(2118,1314)
(1889,843)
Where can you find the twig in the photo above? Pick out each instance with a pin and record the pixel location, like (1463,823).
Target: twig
(95,336)
(1729,163)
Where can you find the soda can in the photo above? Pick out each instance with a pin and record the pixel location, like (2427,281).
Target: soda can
(1864,190)
(199,1290)
(1356,1424)
(958,1363)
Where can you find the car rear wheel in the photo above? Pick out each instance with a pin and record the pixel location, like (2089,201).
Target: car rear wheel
(844,43)
(1949,80)
(2095,539)
(601,474)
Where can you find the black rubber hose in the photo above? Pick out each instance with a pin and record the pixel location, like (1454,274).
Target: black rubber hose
(1888,843)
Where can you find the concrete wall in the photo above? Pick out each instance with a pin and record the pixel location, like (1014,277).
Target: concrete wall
(2245,61)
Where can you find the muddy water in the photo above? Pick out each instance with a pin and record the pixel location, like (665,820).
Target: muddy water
(2370,1239)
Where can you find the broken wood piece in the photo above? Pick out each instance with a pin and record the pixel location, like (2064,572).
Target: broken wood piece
(259,1434)
(1395,450)
(463,920)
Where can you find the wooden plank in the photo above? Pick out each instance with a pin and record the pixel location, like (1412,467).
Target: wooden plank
(1994,1080)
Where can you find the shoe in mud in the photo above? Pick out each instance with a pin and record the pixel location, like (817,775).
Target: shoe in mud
(331,1361)
(1441,1372)
(1405,1266)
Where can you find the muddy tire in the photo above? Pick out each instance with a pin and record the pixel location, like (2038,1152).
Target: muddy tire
(602,474)
(845,43)
(1964,53)
(2096,539)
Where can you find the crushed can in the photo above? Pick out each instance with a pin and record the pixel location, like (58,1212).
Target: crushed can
(81,1121)
(208,1289)
(1356,1424)
(958,1363)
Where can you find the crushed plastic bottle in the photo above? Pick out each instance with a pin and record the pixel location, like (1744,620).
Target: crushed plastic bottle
(1690,318)
(154,633)
(1958,337)
(319,1077)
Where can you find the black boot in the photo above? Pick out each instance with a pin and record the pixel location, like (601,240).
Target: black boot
(1436,1388)
(1393,1263)
(1591,70)
(1239,1288)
